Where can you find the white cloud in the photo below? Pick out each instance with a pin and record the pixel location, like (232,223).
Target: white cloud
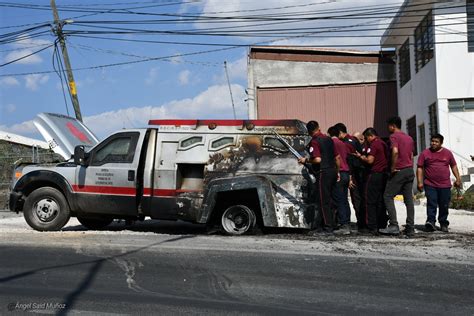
(10,108)
(183,77)
(26,129)
(32,82)
(176,60)
(33,59)
(9,81)
(152,76)
(214,102)
(237,70)
(295,8)
(26,46)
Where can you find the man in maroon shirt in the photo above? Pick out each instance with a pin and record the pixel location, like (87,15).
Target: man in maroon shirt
(376,157)
(400,179)
(325,166)
(342,187)
(433,175)
(358,174)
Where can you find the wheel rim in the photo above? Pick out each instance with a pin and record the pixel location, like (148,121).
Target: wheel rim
(46,209)
(238,219)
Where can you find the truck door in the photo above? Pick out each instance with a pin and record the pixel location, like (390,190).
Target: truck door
(108,184)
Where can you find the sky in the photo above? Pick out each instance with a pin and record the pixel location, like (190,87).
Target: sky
(138,60)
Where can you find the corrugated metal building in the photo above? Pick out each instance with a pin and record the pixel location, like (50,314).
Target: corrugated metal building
(357,88)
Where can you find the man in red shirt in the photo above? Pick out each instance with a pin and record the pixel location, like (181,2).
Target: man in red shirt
(325,165)
(433,175)
(401,178)
(358,174)
(376,157)
(342,187)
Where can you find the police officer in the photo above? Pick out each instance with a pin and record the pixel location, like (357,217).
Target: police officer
(376,157)
(326,169)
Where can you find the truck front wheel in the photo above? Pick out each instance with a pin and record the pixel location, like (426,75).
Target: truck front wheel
(46,209)
(238,220)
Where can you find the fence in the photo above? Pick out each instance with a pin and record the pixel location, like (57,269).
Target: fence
(12,154)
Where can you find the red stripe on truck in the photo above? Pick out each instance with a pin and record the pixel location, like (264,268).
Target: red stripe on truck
(165,192)
(97,189)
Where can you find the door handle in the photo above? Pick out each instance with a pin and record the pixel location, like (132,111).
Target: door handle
(131,175)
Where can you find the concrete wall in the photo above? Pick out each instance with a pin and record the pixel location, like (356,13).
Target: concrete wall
(455,80)
(415,97)
(273,73)
(449,75)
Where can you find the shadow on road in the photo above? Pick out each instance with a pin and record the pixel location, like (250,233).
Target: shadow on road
(153,226)
(72,297)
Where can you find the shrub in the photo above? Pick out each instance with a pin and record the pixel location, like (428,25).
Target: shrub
(464,201)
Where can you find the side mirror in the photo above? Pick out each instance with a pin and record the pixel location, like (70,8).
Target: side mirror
(80,155)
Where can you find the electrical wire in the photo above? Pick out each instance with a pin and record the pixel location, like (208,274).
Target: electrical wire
(60,74)
(26,56)
(113,52)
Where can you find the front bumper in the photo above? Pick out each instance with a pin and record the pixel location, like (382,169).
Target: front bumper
(15,202)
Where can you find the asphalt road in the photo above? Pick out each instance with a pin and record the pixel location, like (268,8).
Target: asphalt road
(165,274)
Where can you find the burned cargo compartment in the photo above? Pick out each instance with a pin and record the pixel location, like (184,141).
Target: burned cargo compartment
(257,153)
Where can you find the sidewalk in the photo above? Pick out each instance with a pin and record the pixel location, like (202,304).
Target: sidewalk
(461,221)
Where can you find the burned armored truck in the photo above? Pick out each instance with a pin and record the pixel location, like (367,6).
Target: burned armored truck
(233,173)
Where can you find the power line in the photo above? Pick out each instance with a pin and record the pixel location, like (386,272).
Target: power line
(60,73)
(246,33)
(23,48)
(26,56)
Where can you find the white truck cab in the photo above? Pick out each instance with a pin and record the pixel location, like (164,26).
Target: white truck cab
(233,173)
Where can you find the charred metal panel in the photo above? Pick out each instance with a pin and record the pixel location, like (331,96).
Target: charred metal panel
(257,161)
(260,183)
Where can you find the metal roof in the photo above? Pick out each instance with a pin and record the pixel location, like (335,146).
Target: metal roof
(316,49)
(22,140)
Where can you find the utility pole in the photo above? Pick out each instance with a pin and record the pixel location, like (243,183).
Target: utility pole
(230,89)
(72,84)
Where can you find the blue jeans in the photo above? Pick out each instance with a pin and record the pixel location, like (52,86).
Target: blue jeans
(437,197)
(340,198)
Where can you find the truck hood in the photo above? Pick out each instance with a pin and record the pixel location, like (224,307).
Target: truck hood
(64,133)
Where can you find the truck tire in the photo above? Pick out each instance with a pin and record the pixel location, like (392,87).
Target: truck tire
(238,220)
(46,209)
(94,223)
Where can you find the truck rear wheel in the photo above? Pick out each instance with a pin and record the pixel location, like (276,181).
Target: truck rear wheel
(46,209)
(94,223)
(238,220)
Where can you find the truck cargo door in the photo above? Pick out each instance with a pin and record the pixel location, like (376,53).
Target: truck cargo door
(108,184)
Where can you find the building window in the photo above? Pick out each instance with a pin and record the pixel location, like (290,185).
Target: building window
(460,105)
(411,130)
(470,25)
(433,114)
(421,132)
(424,43)
(404,63)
